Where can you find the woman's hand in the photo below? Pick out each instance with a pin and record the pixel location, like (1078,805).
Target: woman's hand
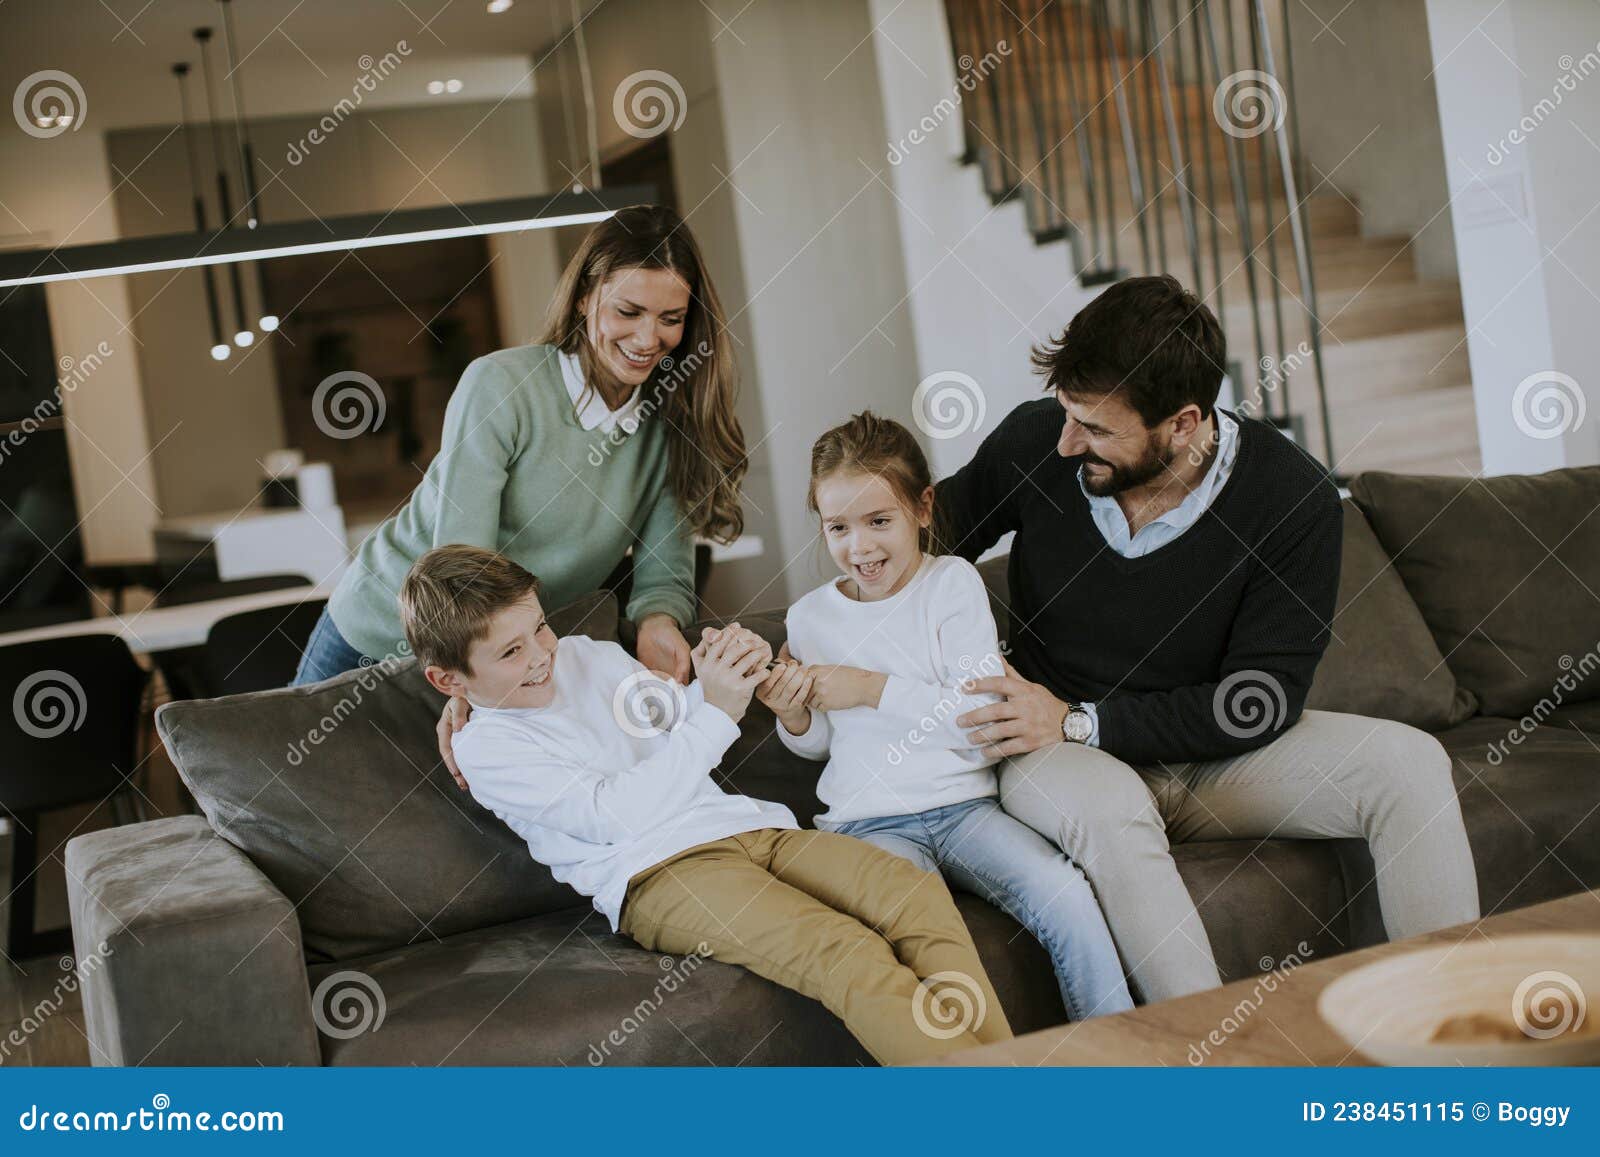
(1027,719)
(836,688)
(662,647)
(451,720)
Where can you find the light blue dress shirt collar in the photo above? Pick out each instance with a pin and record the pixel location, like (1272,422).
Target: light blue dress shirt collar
(1113,524)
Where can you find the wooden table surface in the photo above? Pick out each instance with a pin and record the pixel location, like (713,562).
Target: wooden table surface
(1270,1019)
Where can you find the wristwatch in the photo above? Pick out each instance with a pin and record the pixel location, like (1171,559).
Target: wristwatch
(1076,726)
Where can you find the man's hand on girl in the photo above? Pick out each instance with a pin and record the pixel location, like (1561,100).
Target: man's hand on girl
(1028,718)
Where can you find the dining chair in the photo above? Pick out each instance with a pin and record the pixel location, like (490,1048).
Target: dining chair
(71,737)
(256,650)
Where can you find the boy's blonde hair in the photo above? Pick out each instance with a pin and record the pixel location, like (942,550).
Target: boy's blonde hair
(449,596)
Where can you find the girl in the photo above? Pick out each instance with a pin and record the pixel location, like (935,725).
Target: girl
(880,660)
(618,426)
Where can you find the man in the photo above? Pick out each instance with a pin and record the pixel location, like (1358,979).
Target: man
(1172,586)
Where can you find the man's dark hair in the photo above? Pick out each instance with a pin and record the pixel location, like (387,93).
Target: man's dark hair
(1147,337)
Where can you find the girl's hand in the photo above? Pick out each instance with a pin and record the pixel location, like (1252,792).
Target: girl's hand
(451,720)
(785,692)
(837,688)
(662,647)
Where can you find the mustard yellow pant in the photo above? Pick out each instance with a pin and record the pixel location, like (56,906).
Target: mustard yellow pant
(872,936)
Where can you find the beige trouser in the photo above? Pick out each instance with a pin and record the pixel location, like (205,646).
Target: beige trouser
(1328,776)
(835,918)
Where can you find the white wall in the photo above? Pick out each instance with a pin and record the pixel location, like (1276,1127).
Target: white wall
(1527,238)
(819,240)
(106,436)
(624,37)
(981,292)
(1375,139)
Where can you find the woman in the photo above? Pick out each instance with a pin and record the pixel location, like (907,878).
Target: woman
(616,431)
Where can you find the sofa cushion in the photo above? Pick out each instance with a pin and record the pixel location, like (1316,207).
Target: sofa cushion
(1532,808)
(1381,660)
(335,790)
(563,989)
(1505,571)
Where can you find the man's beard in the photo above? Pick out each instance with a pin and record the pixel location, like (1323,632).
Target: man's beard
(1154,463)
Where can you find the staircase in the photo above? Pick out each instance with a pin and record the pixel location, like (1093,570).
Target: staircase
(1140,137)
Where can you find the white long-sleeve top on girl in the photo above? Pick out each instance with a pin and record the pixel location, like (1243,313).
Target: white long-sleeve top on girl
(906,755)
(598,802)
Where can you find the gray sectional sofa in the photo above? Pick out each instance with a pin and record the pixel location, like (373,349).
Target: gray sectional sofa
(340,902)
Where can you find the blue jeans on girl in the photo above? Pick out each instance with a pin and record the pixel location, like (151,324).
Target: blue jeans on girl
(327,654)
(982,850)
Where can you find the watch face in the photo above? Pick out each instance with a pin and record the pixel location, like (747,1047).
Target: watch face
(1077,726)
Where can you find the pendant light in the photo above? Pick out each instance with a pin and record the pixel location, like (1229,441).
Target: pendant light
(219,348)
(244,335)
(266,320)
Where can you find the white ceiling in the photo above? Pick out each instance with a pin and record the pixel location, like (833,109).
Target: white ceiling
(296,56)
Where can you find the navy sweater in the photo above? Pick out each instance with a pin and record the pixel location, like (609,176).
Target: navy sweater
(1204,647)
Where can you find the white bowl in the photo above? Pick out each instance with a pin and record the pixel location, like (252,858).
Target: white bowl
(1532,987)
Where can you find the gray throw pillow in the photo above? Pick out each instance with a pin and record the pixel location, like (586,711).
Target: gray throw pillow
(336,792)
(1381,660)
(1506,571)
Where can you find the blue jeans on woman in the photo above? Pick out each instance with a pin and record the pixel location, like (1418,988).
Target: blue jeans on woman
(980,849)
(327,653)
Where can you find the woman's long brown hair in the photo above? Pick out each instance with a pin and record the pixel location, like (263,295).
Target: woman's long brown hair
(694,393)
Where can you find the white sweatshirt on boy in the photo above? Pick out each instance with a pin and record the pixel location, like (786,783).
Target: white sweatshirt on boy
(906,755)
(596,803)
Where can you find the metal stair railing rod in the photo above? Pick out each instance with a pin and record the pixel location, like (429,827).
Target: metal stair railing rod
(1180,166)
(1150,99)
(1241,204)
(954,13)
(991,123)
(1076,46)
(1269,226)
(1297,227)
(1136,187)
(1205,160)
(1186,189)
(1038,205)
(1054,54)
(1009,108)
(1135,103)
(1102,25)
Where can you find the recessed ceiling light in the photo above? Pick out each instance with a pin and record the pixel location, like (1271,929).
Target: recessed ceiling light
(452,85)
(435,87)
(498,6)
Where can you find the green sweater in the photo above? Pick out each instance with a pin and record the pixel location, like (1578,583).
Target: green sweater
(518,474)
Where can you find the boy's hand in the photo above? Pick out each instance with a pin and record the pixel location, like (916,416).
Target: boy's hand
(730,664)
(837,688)
(785,691)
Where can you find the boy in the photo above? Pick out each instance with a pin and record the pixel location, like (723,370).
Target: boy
(629,815)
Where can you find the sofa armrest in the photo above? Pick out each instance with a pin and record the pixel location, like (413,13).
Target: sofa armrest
(187,954)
